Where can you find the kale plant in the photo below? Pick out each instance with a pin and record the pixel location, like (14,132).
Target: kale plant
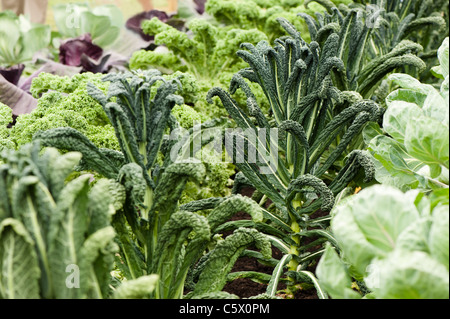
(155,237)
(56,240)
(313,159)
(377,39)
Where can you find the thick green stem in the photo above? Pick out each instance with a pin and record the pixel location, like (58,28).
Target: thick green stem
(150,243)
(295,227)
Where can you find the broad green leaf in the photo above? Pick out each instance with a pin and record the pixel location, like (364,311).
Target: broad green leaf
(397,117)
(437,72)
(368,225)
(69,225)
(19,267)
(334,277)
(9,37)
(34,40)
(408,275)
(97,262)
(439,235)
(427,140)
(415,236)
(394,166)
(359,252)
(140,288)
(102,22)
(370,131)
(435,107)
(382,213)
(111,11)
(439,196)
(443,56)
(406,95)
(408,82)
(100,28)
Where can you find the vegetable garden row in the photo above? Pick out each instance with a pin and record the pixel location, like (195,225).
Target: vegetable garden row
(144,158)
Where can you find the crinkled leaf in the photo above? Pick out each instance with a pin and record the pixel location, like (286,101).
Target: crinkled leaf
(97,262)
(225,254)
(139,288)
(69,225)
(19,267)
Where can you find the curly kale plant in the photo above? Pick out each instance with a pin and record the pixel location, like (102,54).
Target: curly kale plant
(262,14)
(64,102)
(154,235)
(298,169)
(208,55)
(5,120)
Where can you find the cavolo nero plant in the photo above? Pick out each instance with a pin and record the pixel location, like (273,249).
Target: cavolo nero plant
(56,238)
(374,41)
(312,161)
(154,235)
(49,227)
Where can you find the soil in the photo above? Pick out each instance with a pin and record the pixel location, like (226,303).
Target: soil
(245,287)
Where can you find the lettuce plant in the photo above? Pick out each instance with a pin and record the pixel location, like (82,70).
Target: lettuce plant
(154,235)
(413,149)
(316,125)
(393,245)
